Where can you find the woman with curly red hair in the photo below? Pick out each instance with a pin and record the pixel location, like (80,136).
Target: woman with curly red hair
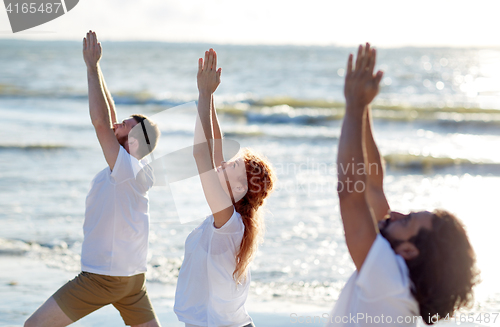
(214,278)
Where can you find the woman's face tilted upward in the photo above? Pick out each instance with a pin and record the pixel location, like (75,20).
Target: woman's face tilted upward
(234,173)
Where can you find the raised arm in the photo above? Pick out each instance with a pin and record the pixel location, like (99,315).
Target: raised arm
(98,106)
(217,151)
(375,172)
(109,98)
(361,87)
(216,135)
(208,80)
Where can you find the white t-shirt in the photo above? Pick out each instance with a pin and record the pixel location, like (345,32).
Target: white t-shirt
(116,223)
(207,294)
(379,295)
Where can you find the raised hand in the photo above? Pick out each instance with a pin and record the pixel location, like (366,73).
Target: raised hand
(92,50)
(208,75)
(361,86)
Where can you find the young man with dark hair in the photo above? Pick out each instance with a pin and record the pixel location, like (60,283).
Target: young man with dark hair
(420,264)
(116,227)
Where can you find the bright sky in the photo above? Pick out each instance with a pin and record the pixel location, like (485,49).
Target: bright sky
(385,23)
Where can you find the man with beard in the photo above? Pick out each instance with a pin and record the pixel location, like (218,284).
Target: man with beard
(116,226)
(421,263)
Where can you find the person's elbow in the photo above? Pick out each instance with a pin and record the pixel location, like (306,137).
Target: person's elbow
(347,195)
(100,123)
(200,151)
(350,188)
(374,186)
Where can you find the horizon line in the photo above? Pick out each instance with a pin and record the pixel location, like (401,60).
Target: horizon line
(337,45)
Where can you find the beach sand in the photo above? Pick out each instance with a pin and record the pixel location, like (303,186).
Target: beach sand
(26,283)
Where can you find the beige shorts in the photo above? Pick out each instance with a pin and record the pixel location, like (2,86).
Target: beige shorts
(88,292)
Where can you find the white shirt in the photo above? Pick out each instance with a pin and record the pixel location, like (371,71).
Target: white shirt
(116,223)
(381,290)
(207,294)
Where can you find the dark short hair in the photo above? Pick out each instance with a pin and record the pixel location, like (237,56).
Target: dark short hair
(147,133)
(444,272)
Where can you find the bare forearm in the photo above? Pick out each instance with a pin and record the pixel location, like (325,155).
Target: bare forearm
(98,106)
(350,154)
(109,98)
(361,87)
(215,121)
(375,195)
(204,113)
(359,226)
(373,161)
(218,154)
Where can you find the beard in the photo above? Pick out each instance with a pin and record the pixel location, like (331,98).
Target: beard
(122,140)
(394,242)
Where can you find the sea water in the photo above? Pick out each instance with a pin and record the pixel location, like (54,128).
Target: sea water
(437,122)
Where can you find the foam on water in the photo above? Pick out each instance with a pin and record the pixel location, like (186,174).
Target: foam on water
(312,76)
(439,141)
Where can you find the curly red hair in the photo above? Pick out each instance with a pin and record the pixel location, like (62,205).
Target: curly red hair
(260,178)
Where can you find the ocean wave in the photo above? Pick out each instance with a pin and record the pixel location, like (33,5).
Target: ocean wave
(33,147)
(56,255)
(256,131)
(285,114)
(64,256)
(379,105)
(296,103)
(146,98)
(413,161)
(13,247)
(14,91)
(120,98)
(280,110)
(252,132)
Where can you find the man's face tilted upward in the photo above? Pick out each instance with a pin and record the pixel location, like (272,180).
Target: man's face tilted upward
(123,129)
(400,228)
